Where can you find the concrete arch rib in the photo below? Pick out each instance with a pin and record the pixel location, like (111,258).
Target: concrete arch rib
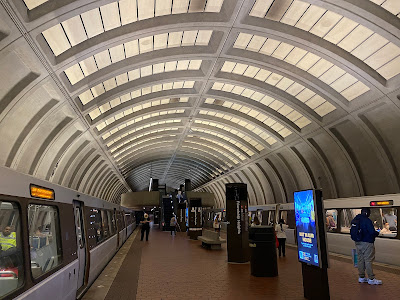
(230,124)
(136,29)
(281,68)
(266,89)
(148,161)
(262,108)
(132,86)
(225,133)
(313,43)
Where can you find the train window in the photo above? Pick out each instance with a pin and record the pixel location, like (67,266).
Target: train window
(44,238)
(104,224)
(111,221)
(97,225)
(384,220)
(331,217)
(11,262)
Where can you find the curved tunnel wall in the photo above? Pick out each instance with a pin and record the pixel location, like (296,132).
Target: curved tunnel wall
(332,123)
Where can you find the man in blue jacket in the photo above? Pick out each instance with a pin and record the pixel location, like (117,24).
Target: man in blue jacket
(366,248)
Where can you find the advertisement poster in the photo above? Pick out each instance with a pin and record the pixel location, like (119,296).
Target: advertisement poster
(307,239)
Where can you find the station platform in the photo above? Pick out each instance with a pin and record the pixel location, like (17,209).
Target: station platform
(169,267)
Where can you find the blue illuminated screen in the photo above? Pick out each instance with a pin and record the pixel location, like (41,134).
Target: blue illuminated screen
(307,240)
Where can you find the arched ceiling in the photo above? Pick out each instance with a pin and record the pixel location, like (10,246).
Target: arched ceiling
(282,94)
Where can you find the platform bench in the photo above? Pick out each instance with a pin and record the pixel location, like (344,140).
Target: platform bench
(211,240)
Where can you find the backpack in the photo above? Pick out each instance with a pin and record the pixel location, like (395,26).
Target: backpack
(355,230)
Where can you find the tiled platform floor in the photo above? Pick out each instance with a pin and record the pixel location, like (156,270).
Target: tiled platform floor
(179,268)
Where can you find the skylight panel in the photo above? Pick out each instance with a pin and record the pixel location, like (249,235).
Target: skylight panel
(294,12)
(341,30)
(56,39)
(277,9)
(92,21)
(146,44)
(203,37)
(214,5)
(128,11)
(354,38)
(117,53)
(314,65)
(182,65)
(163,7)
(197,6)
(122,79)
(195,64)
(383,56)
(170,66)
(174,39)
(160,41)
(260,8)
(110,16)
(180,6)
(189,37)
(326,23)
(74,29)
(242,40)
(369,46)
(310,17)
(390,69)
(88,66)
(74,74)
(145,9)
(131,48)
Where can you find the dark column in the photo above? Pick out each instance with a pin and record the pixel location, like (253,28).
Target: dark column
(188,185)
(237,217)
(155,185)
(181,216)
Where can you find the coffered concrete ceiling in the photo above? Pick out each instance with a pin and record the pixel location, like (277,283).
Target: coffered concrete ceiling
(282,95)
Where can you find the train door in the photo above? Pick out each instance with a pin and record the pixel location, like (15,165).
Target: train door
(80,236)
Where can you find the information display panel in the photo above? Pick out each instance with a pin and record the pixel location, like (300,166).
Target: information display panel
(307,230)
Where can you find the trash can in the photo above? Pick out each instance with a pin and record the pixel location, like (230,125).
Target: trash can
(262,244)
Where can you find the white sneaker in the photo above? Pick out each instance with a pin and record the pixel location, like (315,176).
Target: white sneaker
(362,280)
(374,281)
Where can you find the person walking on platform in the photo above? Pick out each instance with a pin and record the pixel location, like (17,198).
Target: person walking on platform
(280,230)
(362,231)
(145,227)
(216,223)
(172,225)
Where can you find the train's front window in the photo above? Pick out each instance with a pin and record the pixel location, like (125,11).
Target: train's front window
(11,262)
(44,238)
(384,220)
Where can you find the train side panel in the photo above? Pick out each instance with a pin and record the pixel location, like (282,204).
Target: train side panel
(59,286)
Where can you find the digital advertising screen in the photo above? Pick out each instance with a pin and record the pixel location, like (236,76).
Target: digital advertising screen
(306,225)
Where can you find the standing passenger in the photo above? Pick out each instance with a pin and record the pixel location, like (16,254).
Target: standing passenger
(216,223)
(145,227)
(363,233)
(172,224)
(280,229)
(256,222)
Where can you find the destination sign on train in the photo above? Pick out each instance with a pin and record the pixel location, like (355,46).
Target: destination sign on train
(381,203)
(41,192)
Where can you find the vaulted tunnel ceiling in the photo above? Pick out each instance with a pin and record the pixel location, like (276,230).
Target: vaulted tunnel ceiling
(282,95)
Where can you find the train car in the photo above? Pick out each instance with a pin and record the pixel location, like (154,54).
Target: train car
(339,213)
(54,241)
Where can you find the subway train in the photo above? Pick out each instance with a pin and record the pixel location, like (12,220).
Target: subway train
(54,241)
(339,214)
